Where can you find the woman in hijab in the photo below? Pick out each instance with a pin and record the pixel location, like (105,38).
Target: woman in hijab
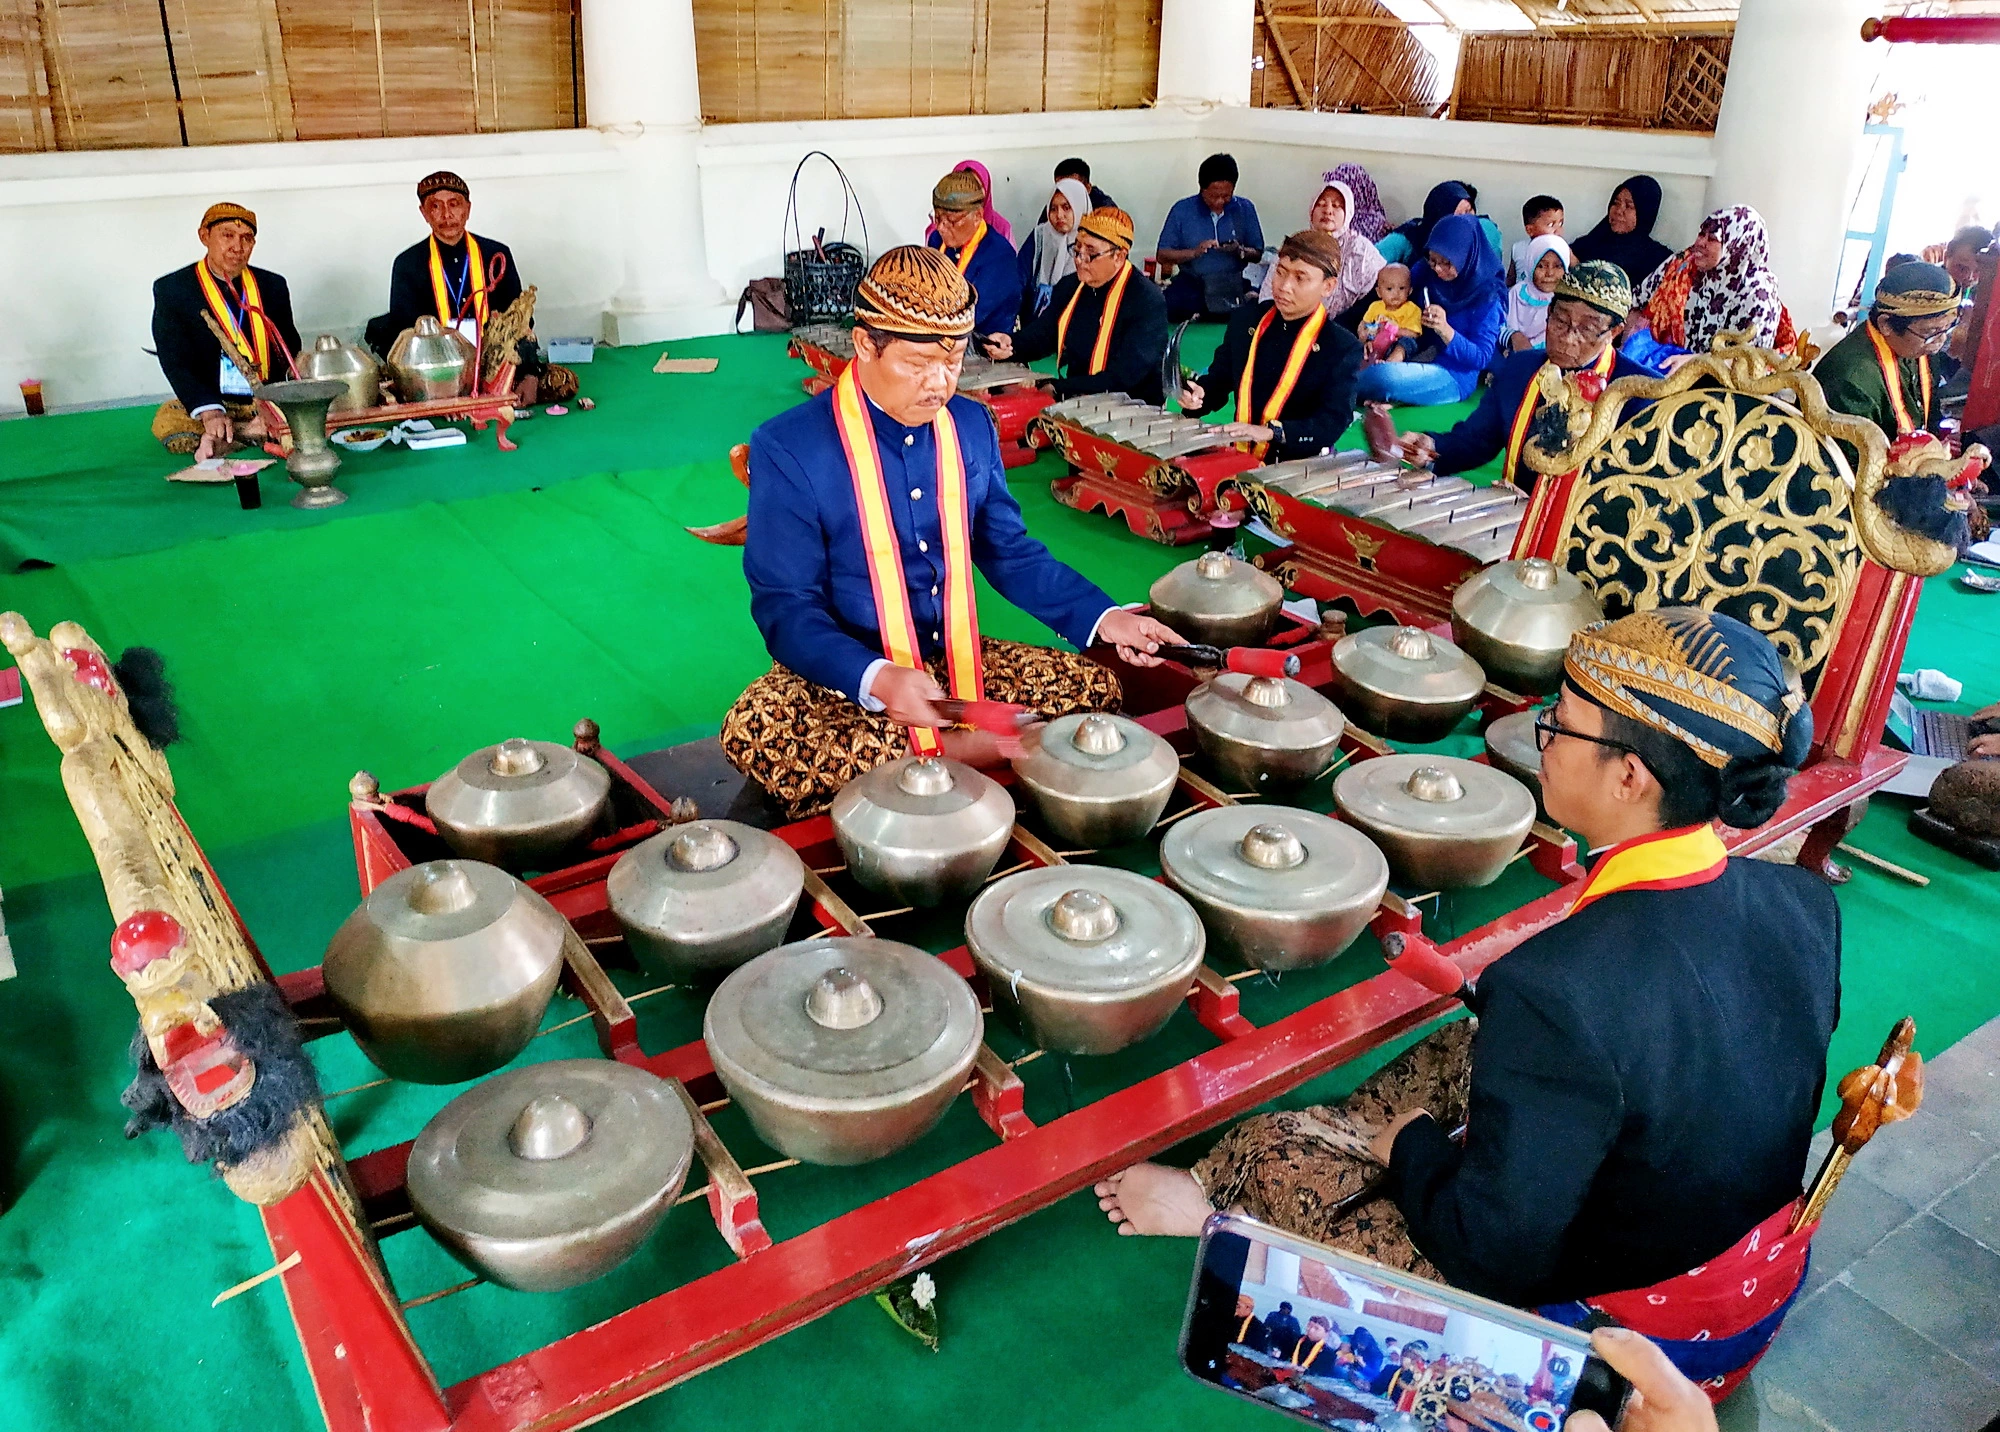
(1624,236)
(1465,298)
(1365,215)
(1046,259)
(1721,283)
(1360,260)
(995,220)
(1411,240)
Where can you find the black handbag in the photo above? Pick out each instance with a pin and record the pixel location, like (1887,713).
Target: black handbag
(820,277)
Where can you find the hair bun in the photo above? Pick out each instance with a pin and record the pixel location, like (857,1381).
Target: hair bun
(1752,791)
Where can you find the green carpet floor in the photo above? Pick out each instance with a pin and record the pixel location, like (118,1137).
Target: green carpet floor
(471,595)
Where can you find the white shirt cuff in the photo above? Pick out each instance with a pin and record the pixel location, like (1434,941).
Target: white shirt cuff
(866,698)
(206,408)
(1126,607)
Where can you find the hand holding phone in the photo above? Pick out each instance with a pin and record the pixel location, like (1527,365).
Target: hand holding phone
(1334,1339)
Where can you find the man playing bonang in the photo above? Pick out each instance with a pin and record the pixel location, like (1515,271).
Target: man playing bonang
(871,506)
(1641,1090)
(1105,323)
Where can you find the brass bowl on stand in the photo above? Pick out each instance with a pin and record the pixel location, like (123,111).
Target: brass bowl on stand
(312,461)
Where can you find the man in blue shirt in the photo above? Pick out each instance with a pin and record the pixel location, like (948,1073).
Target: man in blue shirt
(958,209)
(889,476)
(1209,237)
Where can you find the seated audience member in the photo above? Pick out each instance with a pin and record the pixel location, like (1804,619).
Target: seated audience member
(1464,301)
(1881,371)
(1078,170)
(1367,217)
(1284,1329)
(1582,320)
(1641,1176)
(1209,237)
(1408,241)
(983,254)
(1360,260)
(1045,259)
(995,220)
(212,409)
(1721,283)
(1289,368)
(1624,236)
(1960,257)
(1105,323)
(1393,325)
(1541,215)
(450,275)
(1548,259)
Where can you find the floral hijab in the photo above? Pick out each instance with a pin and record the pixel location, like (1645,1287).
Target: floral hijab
(1688,308)
(1365,214)
(1360,260)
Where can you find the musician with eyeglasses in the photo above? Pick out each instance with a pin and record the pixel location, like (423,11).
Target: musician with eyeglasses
(1106,323)
(1585,314)
(1881,371)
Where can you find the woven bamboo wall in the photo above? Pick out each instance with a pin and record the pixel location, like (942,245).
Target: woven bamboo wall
(869,59)
(1341,55)
(1614,82)
(108,74)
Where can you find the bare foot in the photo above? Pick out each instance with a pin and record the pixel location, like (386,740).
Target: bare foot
(1154,1199)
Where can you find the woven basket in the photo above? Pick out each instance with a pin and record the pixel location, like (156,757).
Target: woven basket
(820,277)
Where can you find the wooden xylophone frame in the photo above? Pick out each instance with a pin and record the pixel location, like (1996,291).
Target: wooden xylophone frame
(1166,500)
(366,1368)
(1014,408)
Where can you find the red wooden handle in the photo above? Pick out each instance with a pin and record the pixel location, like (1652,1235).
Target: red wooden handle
(1422,963)
(1002,718)
(1261,661)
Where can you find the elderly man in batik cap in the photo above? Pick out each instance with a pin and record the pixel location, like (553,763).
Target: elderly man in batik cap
(1105,323)
(871,507)
(958,209)
(211,410)
(453,276)
(1640,1093)
(1882,370)
(1585,313)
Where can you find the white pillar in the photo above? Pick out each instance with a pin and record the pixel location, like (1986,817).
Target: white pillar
(1789,135)
(641,89)
(1205,51)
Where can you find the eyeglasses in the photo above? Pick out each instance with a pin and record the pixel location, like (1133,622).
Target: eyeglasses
(1570,325)
(1090,256)
(1934,335)
(1546,730)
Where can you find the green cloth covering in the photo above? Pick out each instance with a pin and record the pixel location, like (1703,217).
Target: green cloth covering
(1852,379)
(399,638)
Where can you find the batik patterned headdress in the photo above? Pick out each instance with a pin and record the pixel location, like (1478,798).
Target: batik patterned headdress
(917,292)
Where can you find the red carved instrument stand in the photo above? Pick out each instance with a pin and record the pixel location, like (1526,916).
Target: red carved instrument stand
(1013,408)
(1163,499)
(495,405)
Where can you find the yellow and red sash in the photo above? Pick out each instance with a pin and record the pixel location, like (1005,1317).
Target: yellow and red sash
(1517,436)
(1311,1357)
(964,259)
(1892,379)
(255,346)
(1665,860)
(1295,364)
(475,274)
(894,617)
(1100,352)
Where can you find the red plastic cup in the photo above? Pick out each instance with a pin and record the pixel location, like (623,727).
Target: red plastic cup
(31,396)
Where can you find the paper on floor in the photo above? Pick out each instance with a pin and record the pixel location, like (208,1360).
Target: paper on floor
(685,365)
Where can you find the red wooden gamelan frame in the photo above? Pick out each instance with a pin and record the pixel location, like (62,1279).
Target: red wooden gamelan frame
(368,1372)
(1166,500)
(1013,408)
(495,405)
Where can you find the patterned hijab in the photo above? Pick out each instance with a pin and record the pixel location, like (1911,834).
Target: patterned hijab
(1688,308)
(1365,214)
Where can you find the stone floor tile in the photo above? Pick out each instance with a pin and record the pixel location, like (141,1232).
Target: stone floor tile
(1963,1086)
(1933,1278)
(1973,1208)
(1749,1409)
(1858,1217)
(1921,1157)
(1843,1362)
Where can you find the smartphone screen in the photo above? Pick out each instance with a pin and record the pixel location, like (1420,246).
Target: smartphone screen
(1340,1342)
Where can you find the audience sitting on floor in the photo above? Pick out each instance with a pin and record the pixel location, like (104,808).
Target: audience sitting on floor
(1545,261)
(1624,236)
(1332,215)
(1393,325)
(1541,215)
(1407,242)
(1464,302)
(1209,237)
(1721,283)
(1046,259)
(1078,170)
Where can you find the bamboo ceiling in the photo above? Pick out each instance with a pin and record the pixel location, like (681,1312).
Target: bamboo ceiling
(1341,54)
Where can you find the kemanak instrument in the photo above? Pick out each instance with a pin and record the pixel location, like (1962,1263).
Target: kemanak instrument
(861,1037)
